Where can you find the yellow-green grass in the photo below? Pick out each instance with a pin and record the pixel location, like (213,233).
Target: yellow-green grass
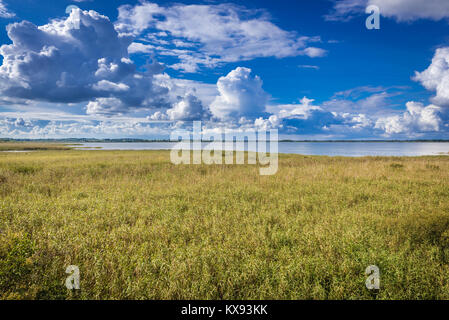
(140,227)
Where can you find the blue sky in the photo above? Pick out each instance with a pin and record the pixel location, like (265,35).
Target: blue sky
(311,69)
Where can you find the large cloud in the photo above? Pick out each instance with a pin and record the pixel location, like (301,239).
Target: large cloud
(436,76)
(417,119)
(210,34)
(307,118)
(189,108)
(401,10)
(237,95)
(60,62)
(240,95)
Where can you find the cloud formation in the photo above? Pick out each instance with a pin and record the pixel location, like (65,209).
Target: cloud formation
(189,108)
(417,119)
(436,77)
(240,95)
(60,62)
(185,32)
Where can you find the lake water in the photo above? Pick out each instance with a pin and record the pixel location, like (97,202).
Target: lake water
(347,149)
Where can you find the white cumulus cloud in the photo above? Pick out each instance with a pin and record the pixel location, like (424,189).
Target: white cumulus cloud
(61,63)
(240,95)
(416,119)
(189,108)
(436,76)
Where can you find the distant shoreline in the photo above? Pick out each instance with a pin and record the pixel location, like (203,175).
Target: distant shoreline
(125,140)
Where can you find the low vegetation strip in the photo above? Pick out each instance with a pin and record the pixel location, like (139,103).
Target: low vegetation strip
(30,146)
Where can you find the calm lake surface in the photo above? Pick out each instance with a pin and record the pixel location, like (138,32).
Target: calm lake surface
(347,149)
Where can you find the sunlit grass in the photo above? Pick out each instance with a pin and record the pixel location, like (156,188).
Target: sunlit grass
(140,227)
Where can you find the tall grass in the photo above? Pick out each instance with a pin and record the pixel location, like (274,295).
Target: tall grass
(140,227)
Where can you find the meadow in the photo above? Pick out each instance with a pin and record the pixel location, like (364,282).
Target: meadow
(140,227)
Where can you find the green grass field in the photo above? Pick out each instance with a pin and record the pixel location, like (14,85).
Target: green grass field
(140,227)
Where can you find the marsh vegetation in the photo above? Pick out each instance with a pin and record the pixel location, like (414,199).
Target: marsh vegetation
(140,227)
